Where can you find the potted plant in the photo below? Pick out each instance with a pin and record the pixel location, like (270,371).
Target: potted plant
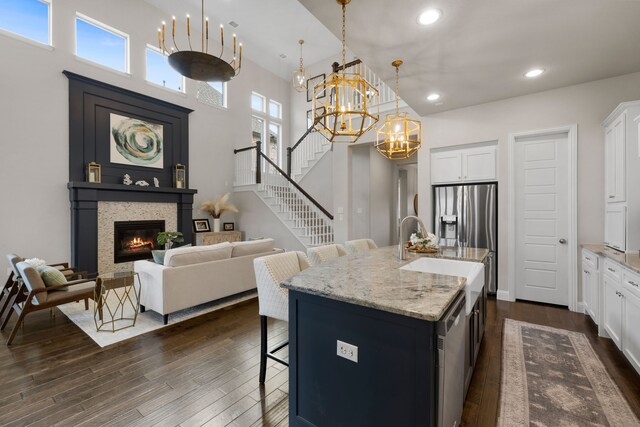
(423,242)
(167,238)
(217,207)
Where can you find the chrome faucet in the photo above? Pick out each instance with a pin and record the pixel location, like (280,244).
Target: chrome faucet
(402,249)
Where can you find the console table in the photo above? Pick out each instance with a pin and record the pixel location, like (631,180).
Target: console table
(211,238)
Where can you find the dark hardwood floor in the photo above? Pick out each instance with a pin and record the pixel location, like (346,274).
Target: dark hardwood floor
(204,371)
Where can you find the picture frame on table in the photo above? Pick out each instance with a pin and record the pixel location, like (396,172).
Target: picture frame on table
(201,225)
(229,226)
(311,84)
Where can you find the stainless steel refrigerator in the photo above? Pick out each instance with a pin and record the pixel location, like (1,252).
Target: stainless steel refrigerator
(467,216)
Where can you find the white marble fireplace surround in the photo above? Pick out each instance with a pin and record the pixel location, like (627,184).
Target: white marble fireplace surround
(110,212)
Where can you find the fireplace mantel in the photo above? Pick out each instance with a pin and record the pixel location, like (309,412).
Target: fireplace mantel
(84,198)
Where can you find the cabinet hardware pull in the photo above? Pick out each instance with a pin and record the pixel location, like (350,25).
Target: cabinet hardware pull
(612,197)
(587,258)
(632,283)
(611,269)
(586,272)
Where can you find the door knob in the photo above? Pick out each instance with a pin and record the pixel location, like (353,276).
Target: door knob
(562,241)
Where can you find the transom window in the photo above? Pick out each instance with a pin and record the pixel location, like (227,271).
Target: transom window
(101,44)
(258,102)
(27,18)
(275,109)
(160,72)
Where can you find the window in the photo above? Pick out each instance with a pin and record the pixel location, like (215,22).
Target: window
(27,18)
(160,72)
(219,90)
(258,102)
(274,142)
(275,109)
(257,130)
(100,44)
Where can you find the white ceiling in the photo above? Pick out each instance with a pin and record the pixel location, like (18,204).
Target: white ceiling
(267,28)
(479,51)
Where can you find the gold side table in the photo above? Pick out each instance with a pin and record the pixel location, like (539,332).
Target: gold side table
(116,300)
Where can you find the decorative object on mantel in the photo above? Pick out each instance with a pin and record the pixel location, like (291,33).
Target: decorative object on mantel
(201,225)
(94,173)
(127,179)
(229,226)
(142,183)
(179,176)
(350,100)
(399,137)
(200,65)
(299,76)
(156,183)
(420,243)
(168,238)
(217,207)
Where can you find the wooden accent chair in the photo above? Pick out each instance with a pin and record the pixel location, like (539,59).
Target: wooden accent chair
(11,286)
(360,246)
(38,297)
(273,300)
(319,254)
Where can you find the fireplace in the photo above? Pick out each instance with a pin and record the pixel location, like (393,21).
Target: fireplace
(134,240)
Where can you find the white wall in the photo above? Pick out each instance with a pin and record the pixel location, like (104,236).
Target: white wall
(586,105)
(35,215)
(318,183)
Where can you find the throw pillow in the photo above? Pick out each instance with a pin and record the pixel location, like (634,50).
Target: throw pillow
(51,276)
(158,256)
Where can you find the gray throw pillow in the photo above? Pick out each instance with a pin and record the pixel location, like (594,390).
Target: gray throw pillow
(51,276)
(158,256)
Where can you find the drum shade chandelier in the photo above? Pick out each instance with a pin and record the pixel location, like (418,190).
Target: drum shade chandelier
(299,77)
(345,105)
(399,137)
(200,64)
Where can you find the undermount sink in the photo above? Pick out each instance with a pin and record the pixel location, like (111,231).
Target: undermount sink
(472,271)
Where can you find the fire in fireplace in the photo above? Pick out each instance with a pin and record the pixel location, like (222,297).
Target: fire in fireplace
(134,240)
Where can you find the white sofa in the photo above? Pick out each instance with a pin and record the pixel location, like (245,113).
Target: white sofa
(199,274)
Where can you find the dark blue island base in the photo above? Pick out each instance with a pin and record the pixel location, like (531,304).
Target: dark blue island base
(394,382)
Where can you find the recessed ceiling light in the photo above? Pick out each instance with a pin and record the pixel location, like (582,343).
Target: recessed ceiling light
(535,72)
(282,55)
(429,16)
(433,97)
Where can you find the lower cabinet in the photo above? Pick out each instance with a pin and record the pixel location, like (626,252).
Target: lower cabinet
(476,321)
(631,319)
(612,308)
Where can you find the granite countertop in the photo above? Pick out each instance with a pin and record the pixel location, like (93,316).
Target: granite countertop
(631,260)
(373,279)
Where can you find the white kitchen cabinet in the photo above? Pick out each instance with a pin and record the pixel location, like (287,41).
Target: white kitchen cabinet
(590,291)
(615,178)
(446,167)
(631,319)
(464,165)
(612,308)
(615,219)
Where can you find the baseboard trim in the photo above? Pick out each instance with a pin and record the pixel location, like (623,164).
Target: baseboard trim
(503,296)
(580,308)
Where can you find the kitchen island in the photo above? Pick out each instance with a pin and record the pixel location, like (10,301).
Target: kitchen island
(364,335)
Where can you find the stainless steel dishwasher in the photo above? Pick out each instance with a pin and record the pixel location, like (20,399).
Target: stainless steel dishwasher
(451,348)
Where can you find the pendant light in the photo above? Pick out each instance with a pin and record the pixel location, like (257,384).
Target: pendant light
(399,137)
(200,64)
(345,105)
(299,77)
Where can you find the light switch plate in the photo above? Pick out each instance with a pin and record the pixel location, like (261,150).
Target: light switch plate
(347,351)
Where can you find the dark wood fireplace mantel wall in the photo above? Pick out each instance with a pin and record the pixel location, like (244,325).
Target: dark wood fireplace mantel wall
(90,104)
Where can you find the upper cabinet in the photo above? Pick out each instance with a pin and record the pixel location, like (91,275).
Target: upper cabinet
(614,158)
(621,175)
(474,164)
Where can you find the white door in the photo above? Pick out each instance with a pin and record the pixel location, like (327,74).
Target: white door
(542,219)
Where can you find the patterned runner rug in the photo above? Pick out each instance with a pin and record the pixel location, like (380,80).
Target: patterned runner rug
(553,377)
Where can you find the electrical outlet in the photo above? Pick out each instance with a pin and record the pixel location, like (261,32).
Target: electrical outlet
(348,351)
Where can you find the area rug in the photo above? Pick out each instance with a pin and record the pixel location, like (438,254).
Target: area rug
(553,377)
(145,322)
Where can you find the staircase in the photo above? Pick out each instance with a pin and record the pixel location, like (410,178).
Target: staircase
(307,220)
(308,153)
